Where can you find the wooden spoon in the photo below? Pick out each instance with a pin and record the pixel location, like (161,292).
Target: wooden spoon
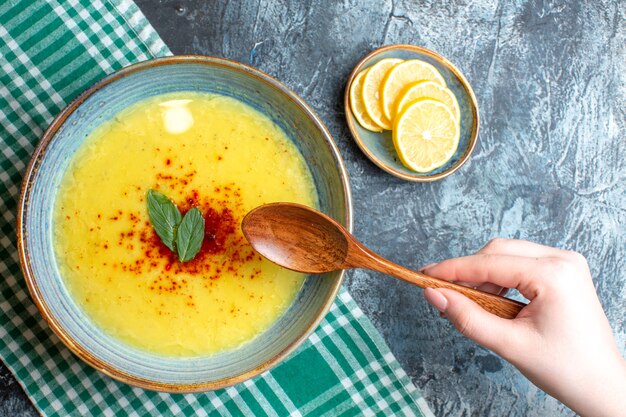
(302,239)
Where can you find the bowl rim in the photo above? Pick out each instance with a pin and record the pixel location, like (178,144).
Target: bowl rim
(350,119)
(24,200)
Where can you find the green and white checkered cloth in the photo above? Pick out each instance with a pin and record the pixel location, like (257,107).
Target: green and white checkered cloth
(49,52)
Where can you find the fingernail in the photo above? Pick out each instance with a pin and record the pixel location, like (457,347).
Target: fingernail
(436,299)
(422,269)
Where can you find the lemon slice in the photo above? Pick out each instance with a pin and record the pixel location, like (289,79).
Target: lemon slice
(371,91)
(427,89)
(400,76)
(425,135)
(358,105)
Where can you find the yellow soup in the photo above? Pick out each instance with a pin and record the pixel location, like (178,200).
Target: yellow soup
(206,151)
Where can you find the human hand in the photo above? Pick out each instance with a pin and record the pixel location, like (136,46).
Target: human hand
(561,340)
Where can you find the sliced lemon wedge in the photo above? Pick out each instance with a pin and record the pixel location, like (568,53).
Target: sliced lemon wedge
(397,78)
(371,90)
(425,135)
(427,89)
(358,105)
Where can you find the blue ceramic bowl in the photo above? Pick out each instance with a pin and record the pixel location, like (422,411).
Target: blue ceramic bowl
(51,158)
(378,147)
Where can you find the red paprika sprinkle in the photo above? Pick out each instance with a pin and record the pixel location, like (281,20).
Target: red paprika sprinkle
(224,250)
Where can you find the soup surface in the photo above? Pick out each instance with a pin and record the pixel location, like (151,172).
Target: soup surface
(207,151)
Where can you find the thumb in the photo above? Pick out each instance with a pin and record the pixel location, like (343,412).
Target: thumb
(470,319)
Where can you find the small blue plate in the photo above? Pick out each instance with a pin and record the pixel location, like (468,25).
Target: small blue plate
(378,147)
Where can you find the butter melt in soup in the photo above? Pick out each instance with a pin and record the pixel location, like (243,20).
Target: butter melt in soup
(207,151)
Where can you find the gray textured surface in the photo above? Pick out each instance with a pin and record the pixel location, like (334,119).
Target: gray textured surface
(550,165)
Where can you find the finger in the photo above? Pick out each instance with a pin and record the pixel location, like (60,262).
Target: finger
(486,287)
(503,270)
(471,320)
(515,247)
(492,288)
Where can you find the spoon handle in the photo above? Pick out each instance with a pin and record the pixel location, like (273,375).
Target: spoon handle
(496,304)
(500,306)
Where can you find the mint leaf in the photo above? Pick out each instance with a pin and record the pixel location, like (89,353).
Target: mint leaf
(164,217)
(189,235)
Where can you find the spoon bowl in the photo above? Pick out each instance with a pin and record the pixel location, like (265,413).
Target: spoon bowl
(303,239)
(322,244)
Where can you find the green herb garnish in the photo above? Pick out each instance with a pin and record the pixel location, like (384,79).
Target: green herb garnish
(182,235)
(189,235)
(164,216)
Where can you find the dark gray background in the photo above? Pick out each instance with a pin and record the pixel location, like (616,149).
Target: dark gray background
(550,165)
